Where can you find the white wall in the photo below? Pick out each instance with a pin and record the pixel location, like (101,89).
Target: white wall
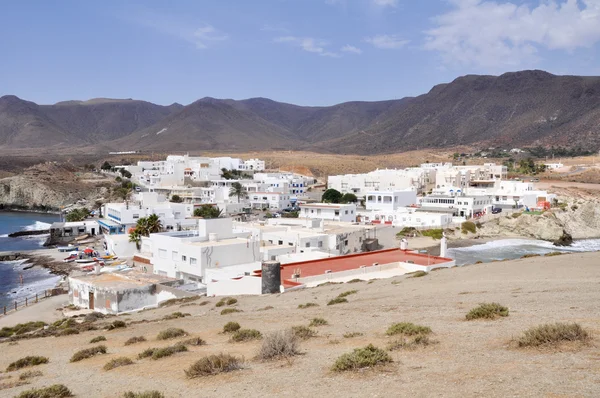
(232,287)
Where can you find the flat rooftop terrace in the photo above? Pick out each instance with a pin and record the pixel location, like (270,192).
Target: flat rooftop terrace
(354,261)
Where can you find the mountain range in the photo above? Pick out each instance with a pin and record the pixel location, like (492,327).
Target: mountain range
(514,109)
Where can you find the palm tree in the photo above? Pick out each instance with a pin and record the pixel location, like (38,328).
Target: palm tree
(135,236)
(153,223)
(236,190)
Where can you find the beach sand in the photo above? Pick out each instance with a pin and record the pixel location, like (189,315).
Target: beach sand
(471,359)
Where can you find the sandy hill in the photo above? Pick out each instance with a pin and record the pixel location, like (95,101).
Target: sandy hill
(467,358)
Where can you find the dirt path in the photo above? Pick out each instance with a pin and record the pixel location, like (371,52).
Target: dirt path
(44,311)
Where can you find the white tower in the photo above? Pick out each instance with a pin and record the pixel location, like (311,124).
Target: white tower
(443,245)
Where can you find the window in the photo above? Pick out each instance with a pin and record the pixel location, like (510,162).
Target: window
(346,242)
(337,212)
(193,261)
(291,243)
(307,244)
(136,216)
(175,256)
(346,212)
(162,253)
(281,242)
(183,258)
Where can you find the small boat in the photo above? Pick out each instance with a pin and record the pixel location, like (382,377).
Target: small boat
(114,269)
(85,260)
(67,248)
(69,259)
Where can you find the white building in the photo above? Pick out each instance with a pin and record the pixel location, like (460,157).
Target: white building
(329,211)
(390,200)
(274,201)
(383,180)
(410,217)
(458,205)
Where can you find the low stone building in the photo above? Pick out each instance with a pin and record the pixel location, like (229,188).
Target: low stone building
(120,292)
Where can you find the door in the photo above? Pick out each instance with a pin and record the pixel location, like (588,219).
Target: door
(93,231)
(91,297)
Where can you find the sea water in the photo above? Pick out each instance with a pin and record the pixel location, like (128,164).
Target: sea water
(510,249)
(34,279)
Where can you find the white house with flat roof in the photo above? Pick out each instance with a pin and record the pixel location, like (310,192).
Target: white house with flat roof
(274,201)
(390,200)
(458,205)
(329,211)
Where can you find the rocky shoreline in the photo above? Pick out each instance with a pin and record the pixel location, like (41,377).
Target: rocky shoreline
(35,260)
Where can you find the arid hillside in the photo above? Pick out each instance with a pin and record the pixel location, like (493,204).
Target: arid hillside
(455,358)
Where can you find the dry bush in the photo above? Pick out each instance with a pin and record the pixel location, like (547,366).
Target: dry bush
(53,391)
(355,280)
(97,339)
(350,335)
(231,327)
(231,301)
(195,341)
(419,341)
(268,307)
(487,311)
(307,305)
(553,334)
(337,300)
(27,362)
(117,362)
(279,345)
(229,311)
(213,365)
(116,325)
(226,301)
(67,332)
(367,357)
(246,335)
(13,384)
(135,339)
(418,274)
(145,394)
(157,353)
(348,293)
(21,328)
(88,353)
(183,300)
(29,374)
(318,322)
(407,329)
(175,315)
(303,332)
(171,333)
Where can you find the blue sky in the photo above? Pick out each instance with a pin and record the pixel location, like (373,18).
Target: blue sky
(307,52)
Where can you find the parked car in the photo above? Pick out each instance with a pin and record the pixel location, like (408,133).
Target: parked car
(496,210)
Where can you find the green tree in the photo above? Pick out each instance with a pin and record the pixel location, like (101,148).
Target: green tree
(237,190)
(291,214)
(331,196)
(77,215)
(106,166)
(122,193)
(136,237)
(176,199)
(144,227)
(208,211)
(125,173)
(153,224)
(349,198)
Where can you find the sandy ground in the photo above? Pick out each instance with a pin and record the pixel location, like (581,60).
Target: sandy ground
(44,311)
(548,184)
(472,359)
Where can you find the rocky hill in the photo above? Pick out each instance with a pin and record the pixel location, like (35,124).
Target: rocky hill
(514,109)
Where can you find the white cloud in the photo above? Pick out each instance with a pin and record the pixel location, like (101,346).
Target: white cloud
(308,44)
(385,3)
(494,34)
(206,35)
(387,42)
(351,49)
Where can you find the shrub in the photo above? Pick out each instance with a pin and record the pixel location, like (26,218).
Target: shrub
(303,332)
(554,254)
(117,362)
(433,233)
(337,300)
(348,293)
(30,374)
(174,301)
(145,394)
(529,255)
(407,329)
(268,307)
(26,362)
(307,305)
(146,353)
(468,226)
(279,345)
(65,323)
(21,328)
(349,335)
(116,325)
(418,274)
(171,333)
(67,332)
(406,231)
(419,340)
(54,391)
(93,317)
(196,341)
(487,311)
(229,311)
(318,322)
(88,353)
(97,339)
(175,315)
(134,340)
(361,358)
(552,334)
(231,301)
(355,280)
(214,364)
(231,327)
(168,351)
(246,335)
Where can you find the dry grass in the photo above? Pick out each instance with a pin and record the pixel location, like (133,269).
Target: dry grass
(318,322)
(279,345)
(213,365)
(67,332)
(53,391)
(230,311)
(13,384)
(553,334)
(303,332)
(337,300)
(350,335)
(175,315)
(226,301)
(117,362)
(145,394)
(29,374)
(195,341)
(367,357)
(348,293)
(246,335)
(171,333)
(410,344)
(135,339)
(88,353)
(407,329)
(307,305)
(231,327)
(183,300)
(97,339)
(487,311)
(116,325)
(27,362)
(418,274)
(268,307)
(158,353)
